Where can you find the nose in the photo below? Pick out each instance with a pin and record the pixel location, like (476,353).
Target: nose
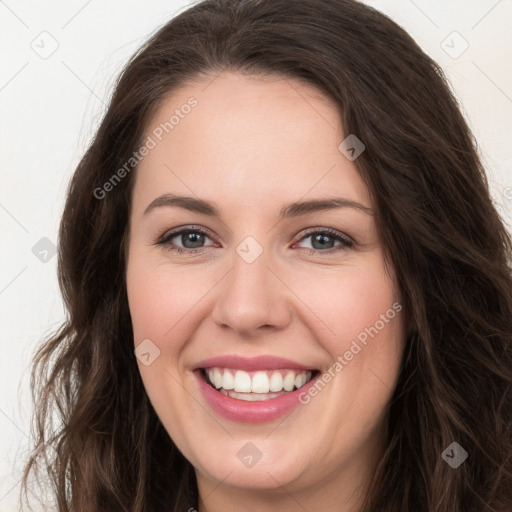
(252,297)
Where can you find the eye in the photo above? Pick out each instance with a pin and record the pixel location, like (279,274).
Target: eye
(322,240)
(191,239)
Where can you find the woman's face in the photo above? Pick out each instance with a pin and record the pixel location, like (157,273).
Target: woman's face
(276,291)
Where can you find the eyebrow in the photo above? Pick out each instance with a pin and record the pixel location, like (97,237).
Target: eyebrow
(295,209)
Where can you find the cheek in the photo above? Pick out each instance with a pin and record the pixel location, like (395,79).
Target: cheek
(360,324)
(166,301)
(162,300)
(348,301)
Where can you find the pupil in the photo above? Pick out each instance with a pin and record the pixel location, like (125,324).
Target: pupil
(195,238)
(321,238)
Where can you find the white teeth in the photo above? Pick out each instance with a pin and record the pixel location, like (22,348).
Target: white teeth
(242,382)
(251,397)
(217,378)
(263,382)
(228,381)
(289,381)
(300,380)
(260,383)
(276,382)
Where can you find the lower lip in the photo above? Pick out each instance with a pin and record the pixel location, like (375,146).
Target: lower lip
(243,411)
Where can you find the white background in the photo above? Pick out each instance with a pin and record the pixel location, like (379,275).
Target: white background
(50,108)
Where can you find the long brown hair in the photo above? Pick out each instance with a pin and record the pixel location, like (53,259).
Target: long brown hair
(440,232)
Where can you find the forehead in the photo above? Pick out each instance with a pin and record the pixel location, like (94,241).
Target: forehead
(247,140)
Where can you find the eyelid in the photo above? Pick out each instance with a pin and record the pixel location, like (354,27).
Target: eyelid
(347,242)
(169,235)
(190,227)
(330,231)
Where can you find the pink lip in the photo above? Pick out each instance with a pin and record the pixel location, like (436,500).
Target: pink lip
(251,412)
(251,363)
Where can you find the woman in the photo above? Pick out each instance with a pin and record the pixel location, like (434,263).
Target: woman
(211,360)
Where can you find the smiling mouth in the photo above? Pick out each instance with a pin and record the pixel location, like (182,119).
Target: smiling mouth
(256,386)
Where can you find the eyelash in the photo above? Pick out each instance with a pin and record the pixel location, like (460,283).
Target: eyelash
(164,241)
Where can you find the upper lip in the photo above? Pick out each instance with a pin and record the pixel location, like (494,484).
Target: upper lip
(251,363)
